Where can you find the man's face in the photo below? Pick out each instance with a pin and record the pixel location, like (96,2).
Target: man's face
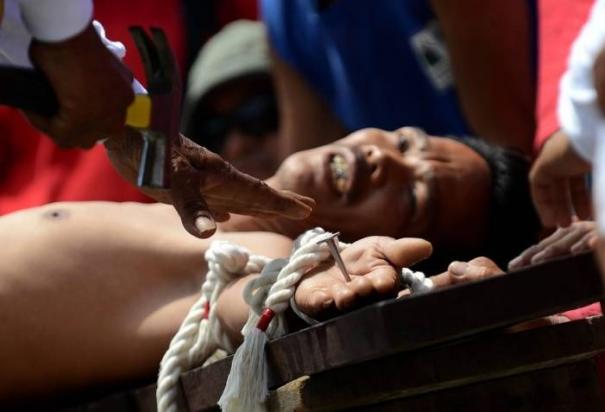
(400,183)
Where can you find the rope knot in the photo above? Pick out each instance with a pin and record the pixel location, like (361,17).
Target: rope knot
(227,260)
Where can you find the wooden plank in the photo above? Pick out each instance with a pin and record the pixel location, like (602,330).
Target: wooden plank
(487,357)
(394,326)
(567,388)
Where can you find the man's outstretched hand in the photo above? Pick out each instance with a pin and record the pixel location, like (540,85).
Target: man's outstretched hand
(558,183)
(372,262)
(205,188)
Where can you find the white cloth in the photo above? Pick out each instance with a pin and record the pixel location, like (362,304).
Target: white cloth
(55,20)
(47,20)
(579,114)
(599,184)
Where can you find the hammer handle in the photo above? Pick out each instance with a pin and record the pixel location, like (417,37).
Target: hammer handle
(27,89)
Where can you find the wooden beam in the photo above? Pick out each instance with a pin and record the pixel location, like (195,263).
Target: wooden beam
(567,388)
(467,361)
(402,325)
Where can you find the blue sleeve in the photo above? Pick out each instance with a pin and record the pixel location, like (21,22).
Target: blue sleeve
(281,17)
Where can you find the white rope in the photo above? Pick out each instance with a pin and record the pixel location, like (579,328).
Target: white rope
(200,334)
(268,296)
(417,282)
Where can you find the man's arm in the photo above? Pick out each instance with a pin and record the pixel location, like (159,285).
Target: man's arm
(306,120)
(490,46)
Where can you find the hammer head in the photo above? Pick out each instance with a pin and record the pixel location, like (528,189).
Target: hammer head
(164,87)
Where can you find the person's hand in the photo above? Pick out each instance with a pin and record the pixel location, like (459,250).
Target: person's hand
(373,264)
(93,89)
(558,183)
(463,272)
(580,236)
(204,188)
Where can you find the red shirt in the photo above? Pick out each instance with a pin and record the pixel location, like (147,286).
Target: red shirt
(559,23)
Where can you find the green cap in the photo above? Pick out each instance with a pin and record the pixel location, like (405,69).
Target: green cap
(239,49)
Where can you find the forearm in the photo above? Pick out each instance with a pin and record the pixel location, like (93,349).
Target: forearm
(490,48)
(306,120)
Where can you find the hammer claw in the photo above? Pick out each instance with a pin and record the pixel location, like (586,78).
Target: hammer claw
(164,87)
(158,73)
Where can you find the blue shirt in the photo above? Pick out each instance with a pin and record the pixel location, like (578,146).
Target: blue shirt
(379,63)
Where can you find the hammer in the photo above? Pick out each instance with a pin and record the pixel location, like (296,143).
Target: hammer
(156,115)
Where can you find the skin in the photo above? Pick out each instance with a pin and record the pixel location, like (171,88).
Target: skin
(306,121)
(93,89)
(579,237)
(488,40)
(558,183)
(392,169)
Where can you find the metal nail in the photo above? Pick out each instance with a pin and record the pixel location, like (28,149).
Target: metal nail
(332,245)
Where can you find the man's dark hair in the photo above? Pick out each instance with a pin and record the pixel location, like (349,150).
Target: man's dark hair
(513,221)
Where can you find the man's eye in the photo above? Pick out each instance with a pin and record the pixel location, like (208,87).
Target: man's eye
(403,143)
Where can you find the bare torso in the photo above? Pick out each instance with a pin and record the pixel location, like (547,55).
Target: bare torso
(96,282)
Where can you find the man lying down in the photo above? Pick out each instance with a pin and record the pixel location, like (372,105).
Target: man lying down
(92,293)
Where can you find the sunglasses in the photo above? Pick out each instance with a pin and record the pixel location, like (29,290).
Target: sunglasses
(255,117)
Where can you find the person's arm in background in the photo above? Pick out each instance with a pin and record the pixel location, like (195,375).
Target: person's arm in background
(558,176)
(306,121)
(490,47)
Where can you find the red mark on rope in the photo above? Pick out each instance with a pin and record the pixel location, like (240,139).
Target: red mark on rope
(206,310)
(265,318)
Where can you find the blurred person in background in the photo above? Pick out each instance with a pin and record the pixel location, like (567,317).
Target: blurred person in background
(230,104)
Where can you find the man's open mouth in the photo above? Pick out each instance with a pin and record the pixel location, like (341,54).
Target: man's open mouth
(341,176)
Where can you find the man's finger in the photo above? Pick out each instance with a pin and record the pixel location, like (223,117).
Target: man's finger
(580,197)
(553,202)
(407,251)
(191,207)
(220,216)
(463,272)
(243,194)
(238,207)
(561,247)
(222,184)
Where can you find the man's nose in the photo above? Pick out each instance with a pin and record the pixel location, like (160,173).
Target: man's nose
(386,166)
(376,160)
